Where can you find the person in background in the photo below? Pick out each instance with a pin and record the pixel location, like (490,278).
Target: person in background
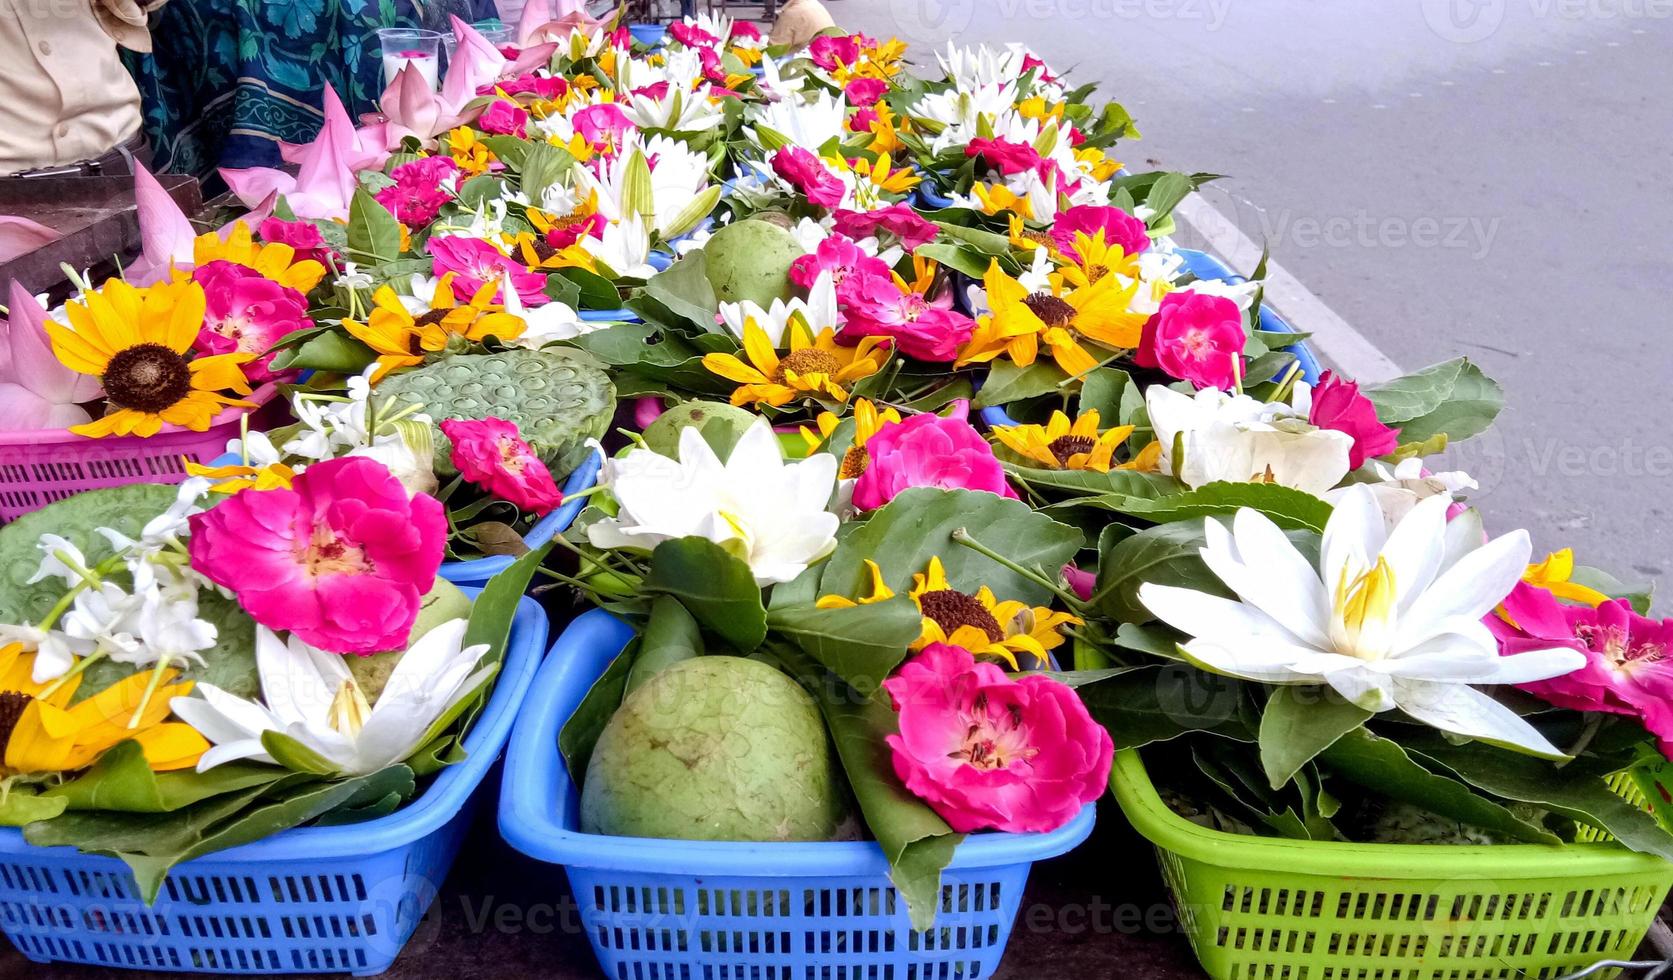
(799,23)
(67,105)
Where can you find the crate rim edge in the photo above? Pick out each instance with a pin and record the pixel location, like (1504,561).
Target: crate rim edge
(534,806)
(32,437)
(544,530)
(426,813)
(1144,809)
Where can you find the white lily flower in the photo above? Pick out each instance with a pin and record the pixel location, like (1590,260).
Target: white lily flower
(416,470)
(107,617)
(978,64)
(818,312)
(679,109)
(310,695)
(807,122)
(1037,277)
(545,324)
(678,175)
(55,650)
(769,513)
(1238,439)
(1402,488)
(624,249)
(1388,620)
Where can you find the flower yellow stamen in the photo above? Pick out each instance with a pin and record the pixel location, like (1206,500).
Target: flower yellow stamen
(349,709)
(1362,612)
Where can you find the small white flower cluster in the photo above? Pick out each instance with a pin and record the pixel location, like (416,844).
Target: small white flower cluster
(153,622)
(333,428)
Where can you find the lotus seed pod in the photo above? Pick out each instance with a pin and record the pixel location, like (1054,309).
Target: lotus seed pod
(750,260)
(557,398)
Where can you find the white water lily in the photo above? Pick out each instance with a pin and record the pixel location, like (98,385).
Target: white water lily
(818,312)
(310,696)
(769,513)
(1402,488)
(545,324)
(678,174)
(1388,620)
(806,122)
(1235,438)
(624,249)
(977,64)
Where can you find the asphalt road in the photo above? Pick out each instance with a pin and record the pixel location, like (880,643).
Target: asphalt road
(1486,178)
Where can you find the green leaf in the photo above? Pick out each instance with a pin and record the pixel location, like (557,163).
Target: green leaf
(860,644)
(496,607)
(1289,508)
(917,525)
(1126,484)
(1639,596)
(511,150)
(374,236)
(295,756)
(985,242)
(596,292)
(957,257)
(1008,383)
(1298,724)
(1161,703)
(670,636)
(917,842)
(1167,555)
(684,290)
(1166,193)
(715,585)
(330,350)
(479,190)
(1105,392)
(121,780)
(580,733)
(21,806)
(544,165)
(1572,791)
(1383,767)
(1454,399)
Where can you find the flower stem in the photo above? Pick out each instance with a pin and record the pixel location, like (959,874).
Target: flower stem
(1594,722)
(962,536)
(97,655)
(150,691)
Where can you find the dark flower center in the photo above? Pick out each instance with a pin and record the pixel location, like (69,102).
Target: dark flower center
(147,378)
(543,249)
(1053,311)
(951,609)
(808,360)
(431,318)
(1039,237)
(12,704)
(1065,447)
(854,463)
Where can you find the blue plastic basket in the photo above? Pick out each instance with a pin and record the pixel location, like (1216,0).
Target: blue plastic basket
(1205,266)
(665,909)
(310,900)
(478,571)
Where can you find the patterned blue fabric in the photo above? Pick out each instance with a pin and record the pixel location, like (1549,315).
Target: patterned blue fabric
(228,79)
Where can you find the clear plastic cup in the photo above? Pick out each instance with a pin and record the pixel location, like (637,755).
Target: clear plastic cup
(492,31)
(403,46)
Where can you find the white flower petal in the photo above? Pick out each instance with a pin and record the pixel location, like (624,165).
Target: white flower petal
(1470,589)
(1463,710)
(1283,586)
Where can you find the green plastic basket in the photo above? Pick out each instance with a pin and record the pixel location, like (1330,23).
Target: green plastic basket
(1262,908)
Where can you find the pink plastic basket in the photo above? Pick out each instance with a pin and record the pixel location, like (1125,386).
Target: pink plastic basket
(37,468)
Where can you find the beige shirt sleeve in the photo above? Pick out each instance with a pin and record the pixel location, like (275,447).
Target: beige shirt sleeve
(64,94)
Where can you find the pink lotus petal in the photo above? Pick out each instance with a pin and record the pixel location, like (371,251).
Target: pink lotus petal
(530,58)
(21,410)
(476,63)
(535,14)
(253,184)
(20,236)
(339,129)
(31,360)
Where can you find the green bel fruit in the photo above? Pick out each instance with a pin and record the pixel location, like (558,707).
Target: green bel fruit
(443,603)
(721,424)
(558,399)
(750,260)
(715,748)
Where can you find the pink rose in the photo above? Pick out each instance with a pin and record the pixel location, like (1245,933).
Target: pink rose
(554,87)
(1004,155)
(865,92)
(839,256)
(342,559)
(1119,228)
(691,35)
(604,125)
(831,51)
(875,306)
(708,59)
(805,173)
(505,119)
(247,313)
(1338,405)
(304,237)
(1082,582)
(897,221)
(745,30)
(988,751)
(418,192)
(474,263)
(1195,337)
(492,454)
(929,450)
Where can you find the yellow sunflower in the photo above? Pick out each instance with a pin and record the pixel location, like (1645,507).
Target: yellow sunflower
(1092,259)
(995,198)
(816,367)
(1100,313)
(135,341)
(979,623)
(237,477)
(1018,338)
(1061,445)
(471,154)
(1026,239)
(41,732)
(867,420)
(401,340)
(878,173)
(275,261)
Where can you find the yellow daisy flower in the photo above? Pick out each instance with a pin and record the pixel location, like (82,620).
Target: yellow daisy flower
(275,261)
(867,420)
(1062,445)
(1100,313)
(886,130)
(878,173)
(470,153)
(135,341)
(401,340)
(979,623)
(815,367)
(41,732)
(1094,258)
(237,477)
(995,198)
